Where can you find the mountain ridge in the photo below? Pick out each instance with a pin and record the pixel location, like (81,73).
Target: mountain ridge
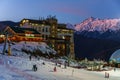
(96,24)
(9,23)
(96,38)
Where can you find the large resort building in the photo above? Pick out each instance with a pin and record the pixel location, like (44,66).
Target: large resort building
(48,30)
(54,34)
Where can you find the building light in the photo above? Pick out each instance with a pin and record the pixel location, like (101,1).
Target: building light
(42,25)
(32,24)
(27,20)
(32,35)
(63,37)
(23,21)
(2,35)
(29,35)
(20,25)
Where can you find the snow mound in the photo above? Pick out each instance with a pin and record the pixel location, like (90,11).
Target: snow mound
(16,48)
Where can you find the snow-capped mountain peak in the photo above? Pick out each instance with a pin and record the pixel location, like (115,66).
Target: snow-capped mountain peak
(70,26)
(101,25)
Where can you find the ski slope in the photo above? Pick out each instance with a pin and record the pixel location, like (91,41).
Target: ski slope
(20,68)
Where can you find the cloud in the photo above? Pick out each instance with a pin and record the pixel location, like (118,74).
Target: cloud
(73,11)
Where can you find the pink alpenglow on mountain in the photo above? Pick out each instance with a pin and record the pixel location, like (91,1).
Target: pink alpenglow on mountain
(101,25)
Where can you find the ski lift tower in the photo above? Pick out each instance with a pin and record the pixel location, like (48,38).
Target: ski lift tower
(5,44)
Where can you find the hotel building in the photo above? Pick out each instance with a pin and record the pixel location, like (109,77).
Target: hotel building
(54,34)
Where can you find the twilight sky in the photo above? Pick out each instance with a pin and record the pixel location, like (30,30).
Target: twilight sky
(66,11)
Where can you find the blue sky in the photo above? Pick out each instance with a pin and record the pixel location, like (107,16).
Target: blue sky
(66,11)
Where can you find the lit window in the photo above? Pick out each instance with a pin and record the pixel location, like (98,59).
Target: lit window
(23,21)
(29,35)
(42,25)
(63,37)
(53,36)
(2,35)
(63,46)
(53,27)
(32,24)
(27,20)
(53,45)
(20,24)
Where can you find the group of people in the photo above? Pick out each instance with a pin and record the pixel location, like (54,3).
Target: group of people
(30,58)
(34,68)
(59,64)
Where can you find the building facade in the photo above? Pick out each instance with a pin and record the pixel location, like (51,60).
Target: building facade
(17,34)
(54,34)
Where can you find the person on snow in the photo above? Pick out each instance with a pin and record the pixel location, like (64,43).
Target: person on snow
(34,67)
(55,69)
(30,57)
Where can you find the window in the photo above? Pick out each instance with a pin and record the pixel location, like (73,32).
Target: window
(46,29)
(42,29)
(46,36)
(23,21)
(39,29)
(42,36)
(27,20)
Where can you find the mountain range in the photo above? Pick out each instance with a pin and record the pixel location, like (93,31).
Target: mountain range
(9,23)
(96,38)
(101,25)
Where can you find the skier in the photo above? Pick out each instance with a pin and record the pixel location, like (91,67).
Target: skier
(55,69)
(65,64)
(30,57)
(114,69)
(34,67)
(43,63)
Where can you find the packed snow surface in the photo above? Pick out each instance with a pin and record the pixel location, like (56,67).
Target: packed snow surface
(20,68)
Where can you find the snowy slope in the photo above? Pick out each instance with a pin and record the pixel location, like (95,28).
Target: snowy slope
(16,48)
(69,26)
(19,68)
